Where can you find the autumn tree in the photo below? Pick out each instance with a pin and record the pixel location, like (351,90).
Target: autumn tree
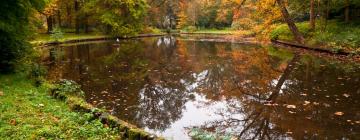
(290,22)
(119,17)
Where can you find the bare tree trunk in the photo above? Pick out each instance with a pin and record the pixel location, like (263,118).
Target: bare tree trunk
(77,19)
(290,22)
(59,18)
(86,24)
(49,21)
(312,15)
(327,12)
(68,15)
(347,11)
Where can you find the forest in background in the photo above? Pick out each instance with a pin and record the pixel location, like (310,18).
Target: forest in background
(333,23)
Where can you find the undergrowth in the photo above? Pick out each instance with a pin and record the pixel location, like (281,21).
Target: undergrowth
(335,35)
(29,112)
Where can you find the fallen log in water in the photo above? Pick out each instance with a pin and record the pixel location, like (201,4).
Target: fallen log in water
(296,45)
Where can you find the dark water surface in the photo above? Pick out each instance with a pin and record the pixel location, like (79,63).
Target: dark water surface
(169,85)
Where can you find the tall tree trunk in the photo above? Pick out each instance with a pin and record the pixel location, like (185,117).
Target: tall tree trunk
(290,22)
(68,15)
(77,19)
(327,14)
(59,18)
(49,21)
(312,15)
(86,24)
(347,10)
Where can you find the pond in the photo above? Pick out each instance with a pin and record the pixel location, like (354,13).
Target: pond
(176,86)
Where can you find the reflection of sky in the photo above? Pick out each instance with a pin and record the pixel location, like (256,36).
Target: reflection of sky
(197,112)
(168,104)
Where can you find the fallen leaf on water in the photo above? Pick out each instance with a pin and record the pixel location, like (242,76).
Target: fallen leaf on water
(348,120)
(291,106)
(346,95)
(303,94)
(291,112)
(306,103)
(339,113)
(270,104)
(326,105)
(358,122)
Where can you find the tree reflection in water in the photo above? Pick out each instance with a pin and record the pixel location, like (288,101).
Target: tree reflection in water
(241,89)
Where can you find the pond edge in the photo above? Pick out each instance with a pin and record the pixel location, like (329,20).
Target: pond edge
(126,130)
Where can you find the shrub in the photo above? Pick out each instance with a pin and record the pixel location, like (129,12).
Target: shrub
(149,29)
(283,32)
(190,29)
(65,88)
(56,34)
(199,134)
(14,29)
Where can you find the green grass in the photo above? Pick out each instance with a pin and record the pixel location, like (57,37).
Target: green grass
(28,112)
(43,38)
(337,35)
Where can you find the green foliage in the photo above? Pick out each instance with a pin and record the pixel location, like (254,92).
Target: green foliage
(153,30)
(56,34)
(65,87)
(28,112)
(189,29)
(199,134)
(337,35)
(37,73)
(14,28)
(283,32)
(121,17)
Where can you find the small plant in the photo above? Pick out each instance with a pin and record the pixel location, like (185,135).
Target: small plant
(37,73)
(56,34)
(336,49)
(199,134)
(65,88)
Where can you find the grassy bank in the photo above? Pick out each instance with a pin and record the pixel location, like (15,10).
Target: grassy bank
(228,31)
(28,112)
(44,38)
(334,36)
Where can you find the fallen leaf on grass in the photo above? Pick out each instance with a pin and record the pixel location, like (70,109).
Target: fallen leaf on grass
(339,113)
(13,122)
(1,93)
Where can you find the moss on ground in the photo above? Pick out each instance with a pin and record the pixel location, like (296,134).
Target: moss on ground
(29,112)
